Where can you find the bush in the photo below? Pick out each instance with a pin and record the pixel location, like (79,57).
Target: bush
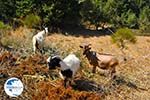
(9,41)
(3,30)
(3,26)
(122,36)
(18,38)
(32,21)
(132,20)
(144,20)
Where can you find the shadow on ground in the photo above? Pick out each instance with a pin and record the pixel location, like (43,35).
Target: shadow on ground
(87,85)
(82,31)
(104,89)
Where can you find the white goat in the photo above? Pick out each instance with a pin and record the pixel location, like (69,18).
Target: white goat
(38,40)
(68,67)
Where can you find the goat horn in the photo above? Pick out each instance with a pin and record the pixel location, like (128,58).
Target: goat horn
(55,56)
(89,44)
(43,25)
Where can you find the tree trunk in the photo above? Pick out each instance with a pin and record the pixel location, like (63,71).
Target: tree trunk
(122,50)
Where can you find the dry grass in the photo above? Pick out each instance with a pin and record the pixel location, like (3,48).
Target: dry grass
(131,83)
(135,70)
(37,80)
(18,38)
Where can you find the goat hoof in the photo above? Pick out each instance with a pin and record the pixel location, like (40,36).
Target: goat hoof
(114,76)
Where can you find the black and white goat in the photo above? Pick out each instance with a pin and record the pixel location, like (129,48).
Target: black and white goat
(68,67)
(38,40)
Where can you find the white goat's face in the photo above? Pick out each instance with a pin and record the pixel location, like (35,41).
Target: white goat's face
(53,62)
(46,29)
(85,47)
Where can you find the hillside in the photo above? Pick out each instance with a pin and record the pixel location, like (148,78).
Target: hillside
(132,80)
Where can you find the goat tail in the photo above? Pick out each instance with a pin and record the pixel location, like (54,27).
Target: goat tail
(114,62)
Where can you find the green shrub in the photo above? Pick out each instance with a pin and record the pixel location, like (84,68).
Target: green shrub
(4,26)
(129,19)
(122,36)
(32,21)
(3,30)
(11,41)
(144,20)
(132,20)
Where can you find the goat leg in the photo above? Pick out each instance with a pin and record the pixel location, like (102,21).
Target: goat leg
(66,82)
(94,69)
(113,71)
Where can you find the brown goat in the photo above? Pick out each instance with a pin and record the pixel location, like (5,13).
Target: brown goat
(103,61)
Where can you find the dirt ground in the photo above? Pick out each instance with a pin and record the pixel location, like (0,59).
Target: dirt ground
(132,80)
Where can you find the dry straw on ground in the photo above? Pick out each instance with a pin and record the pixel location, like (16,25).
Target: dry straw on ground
(131,83)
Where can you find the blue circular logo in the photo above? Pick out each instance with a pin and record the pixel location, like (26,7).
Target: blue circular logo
(13,87)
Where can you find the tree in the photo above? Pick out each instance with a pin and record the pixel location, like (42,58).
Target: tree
(92,11)
(129,19)
(144,19)
(113,9)
(23,7)
(122,13)
(7,10)
(123,36)
(58,12)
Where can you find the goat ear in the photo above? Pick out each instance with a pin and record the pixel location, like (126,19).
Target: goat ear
(81,46)
(43,26)
(89,48)
(55,56)
(89,44)
(48,59)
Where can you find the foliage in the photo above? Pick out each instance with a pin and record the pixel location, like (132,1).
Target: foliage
(122,13)
(60,12)
(3,29)
(7,10)
(122,36)
(129,19)
(23,7)
(92,10)
(32,21)
(3,26)
(144,20)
